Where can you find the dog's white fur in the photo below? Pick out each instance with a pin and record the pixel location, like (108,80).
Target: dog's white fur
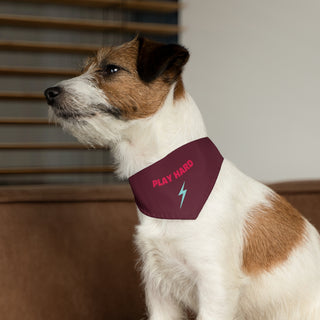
(198,263)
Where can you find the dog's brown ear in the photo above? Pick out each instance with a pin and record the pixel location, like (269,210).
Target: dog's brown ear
(156,59)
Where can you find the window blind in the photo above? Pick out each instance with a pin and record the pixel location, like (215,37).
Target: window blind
(43,42)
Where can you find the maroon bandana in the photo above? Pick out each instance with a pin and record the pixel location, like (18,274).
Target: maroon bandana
(178,186)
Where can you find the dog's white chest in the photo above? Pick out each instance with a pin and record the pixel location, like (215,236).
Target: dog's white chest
(165,267)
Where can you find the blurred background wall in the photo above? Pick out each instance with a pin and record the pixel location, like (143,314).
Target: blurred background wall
(255,74)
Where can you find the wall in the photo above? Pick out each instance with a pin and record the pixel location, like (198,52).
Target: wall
(255,74)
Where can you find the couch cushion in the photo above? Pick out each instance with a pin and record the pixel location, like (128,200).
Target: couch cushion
(67,253)
(303,195)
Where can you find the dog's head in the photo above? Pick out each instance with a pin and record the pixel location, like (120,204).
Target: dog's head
(118,85)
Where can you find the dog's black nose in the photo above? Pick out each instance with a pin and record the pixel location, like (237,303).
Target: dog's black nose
(51,94)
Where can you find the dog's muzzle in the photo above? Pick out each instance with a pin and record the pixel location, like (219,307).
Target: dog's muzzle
(52,94)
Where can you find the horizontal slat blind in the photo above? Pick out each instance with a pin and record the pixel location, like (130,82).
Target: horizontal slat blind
(37,72)
(35,170)
(21,96)
(47,47)
(25,121)
(45,42)
(44,146)
(87,25)
(143,5)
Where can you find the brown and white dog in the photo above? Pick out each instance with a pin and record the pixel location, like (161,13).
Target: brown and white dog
(249,255)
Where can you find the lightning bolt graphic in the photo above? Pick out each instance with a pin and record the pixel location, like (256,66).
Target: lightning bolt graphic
(183,194)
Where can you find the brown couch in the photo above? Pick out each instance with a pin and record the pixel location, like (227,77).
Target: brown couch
(66,252)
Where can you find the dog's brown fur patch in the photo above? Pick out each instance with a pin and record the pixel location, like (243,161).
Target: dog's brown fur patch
(125,90)
(271,233)
(179,89)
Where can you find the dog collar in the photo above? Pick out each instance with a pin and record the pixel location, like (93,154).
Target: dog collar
(178,186)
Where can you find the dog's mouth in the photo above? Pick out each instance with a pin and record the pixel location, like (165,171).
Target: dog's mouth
(62,111)
(65,115)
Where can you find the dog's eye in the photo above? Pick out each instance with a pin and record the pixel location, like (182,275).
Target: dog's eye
(110,69)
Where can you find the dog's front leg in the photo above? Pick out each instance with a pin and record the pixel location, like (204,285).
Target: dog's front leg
(161,307)
(211,308)
(218,295)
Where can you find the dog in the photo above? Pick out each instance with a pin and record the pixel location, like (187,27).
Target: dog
(247,254)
